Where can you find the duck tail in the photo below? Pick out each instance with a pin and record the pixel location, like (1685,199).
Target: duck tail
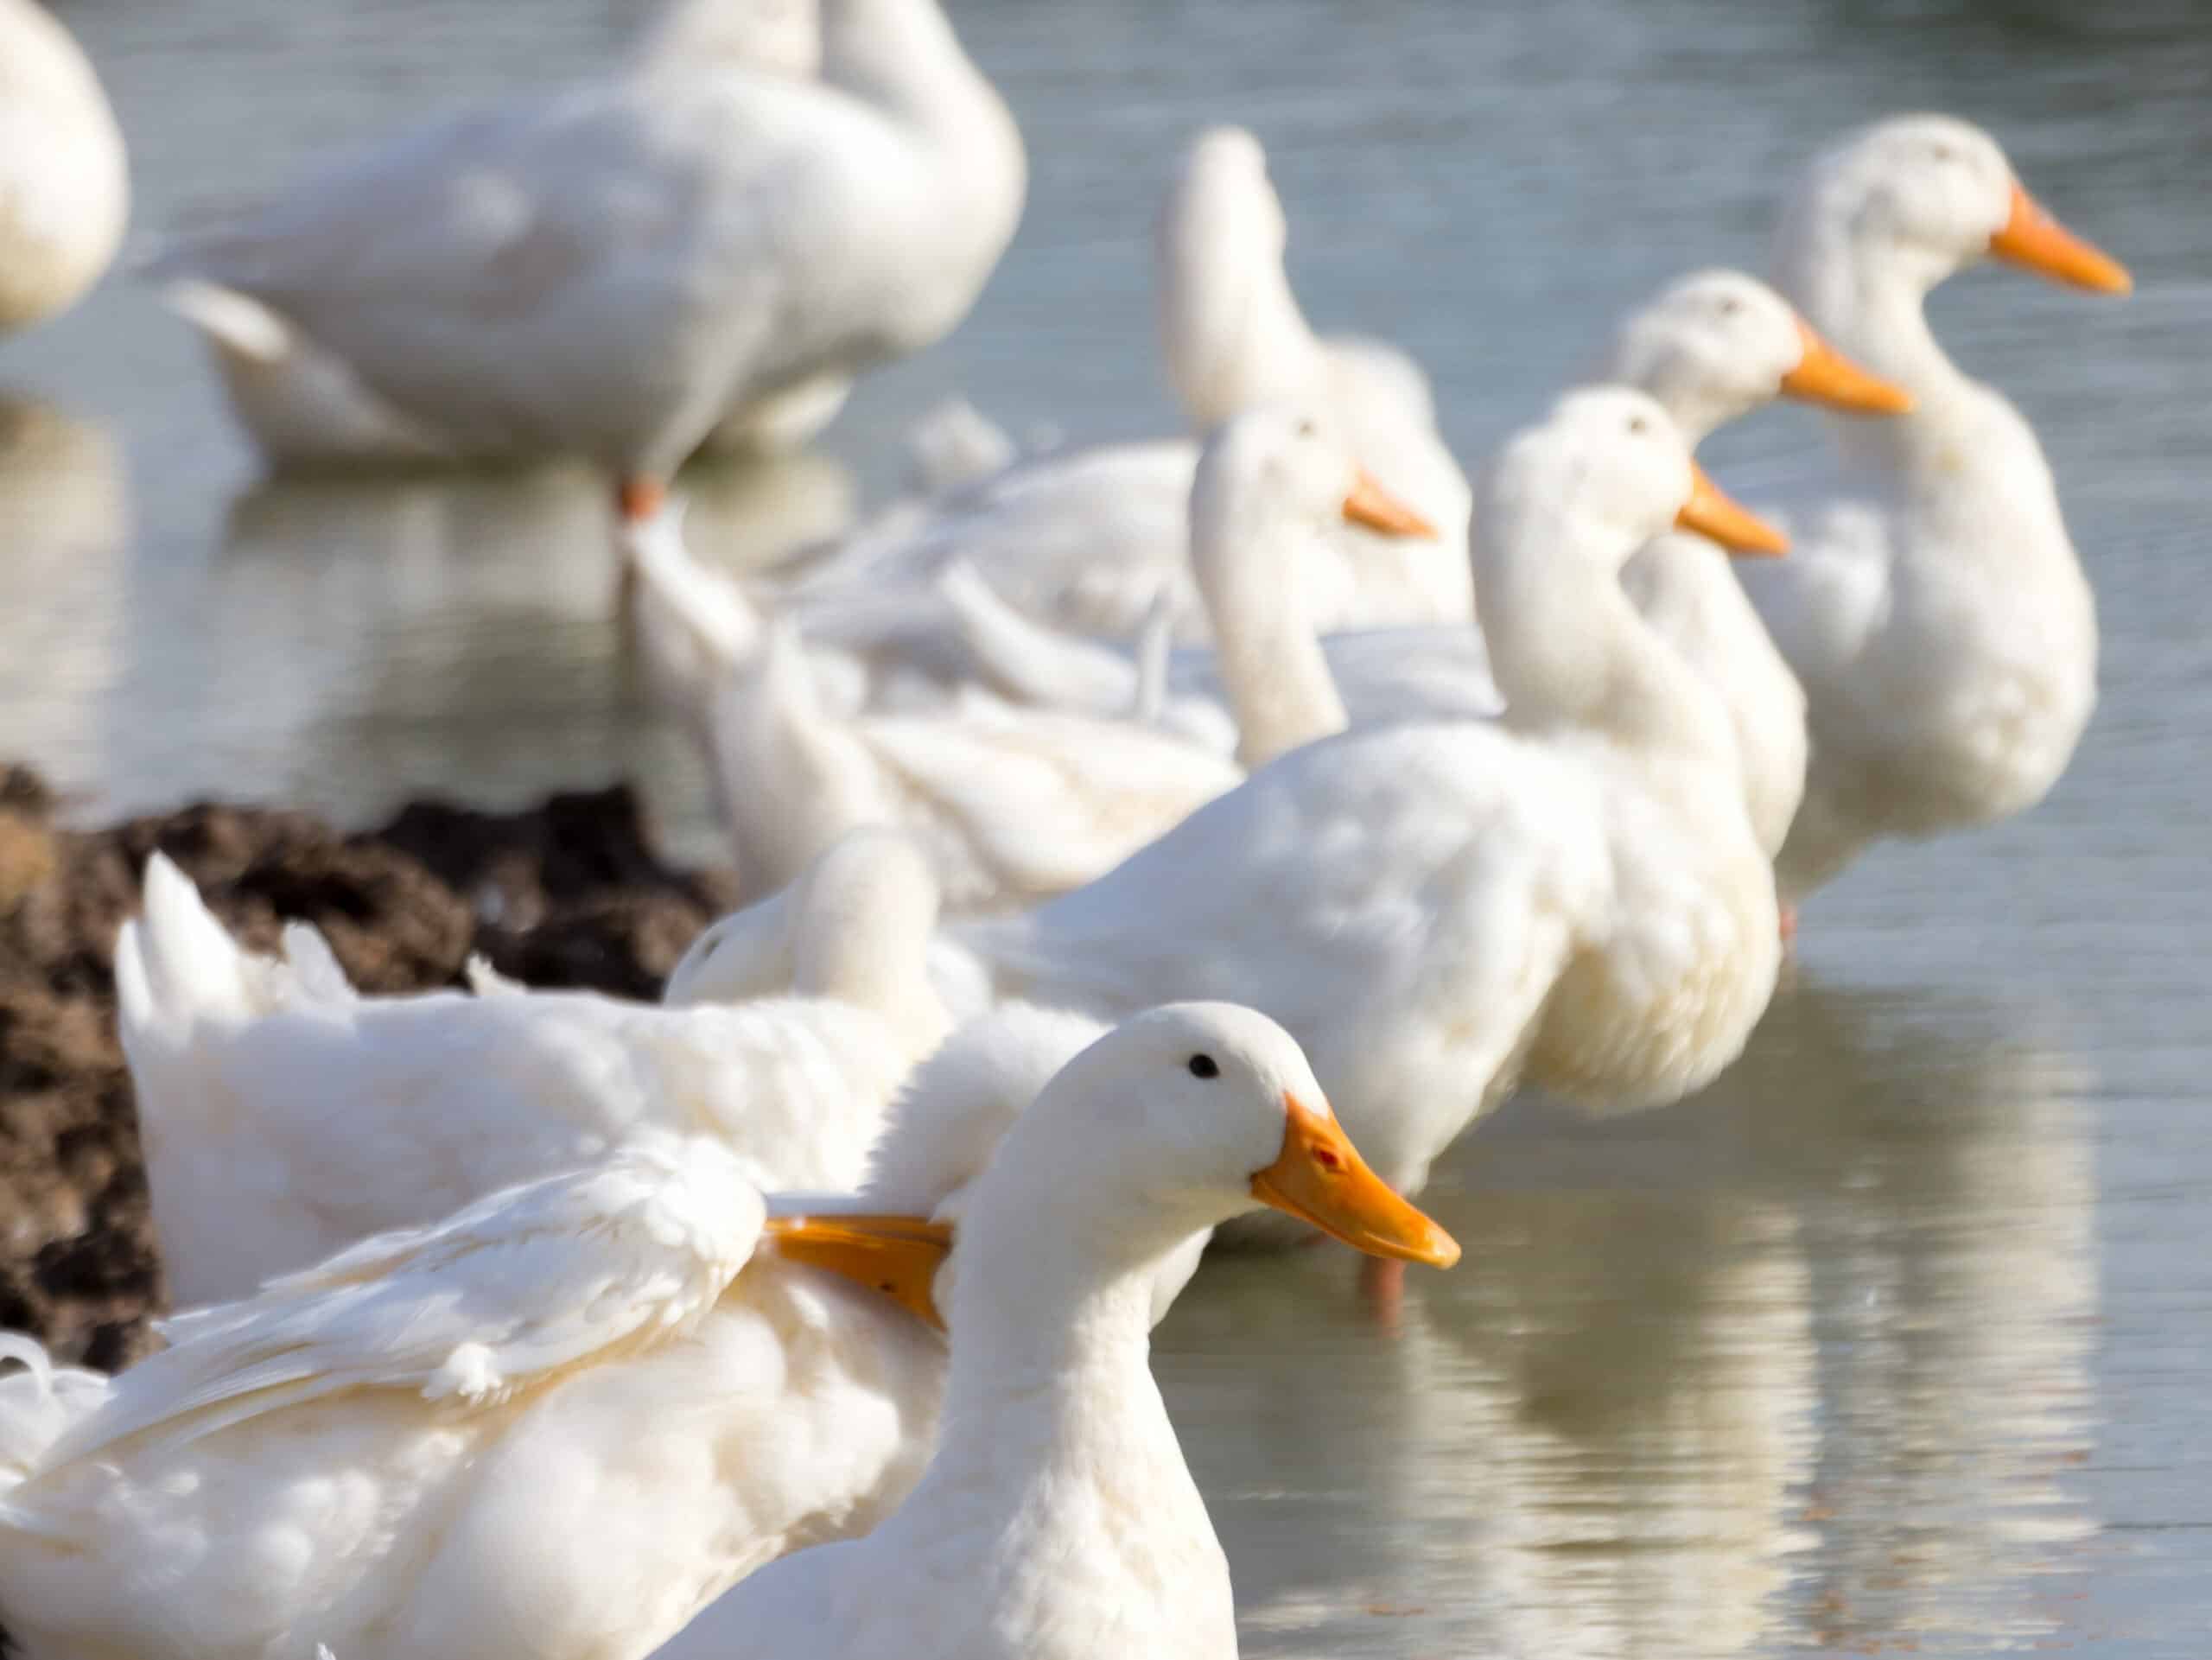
(176,965)
(238,325)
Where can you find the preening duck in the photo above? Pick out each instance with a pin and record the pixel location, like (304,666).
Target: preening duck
(284,1117)
(614,272)
(1935,614)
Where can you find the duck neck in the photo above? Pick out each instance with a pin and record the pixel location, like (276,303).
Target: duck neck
(1231,329)
(1050,1390)
(902,57)
(1870,301)
(1570,652)
(1245,555)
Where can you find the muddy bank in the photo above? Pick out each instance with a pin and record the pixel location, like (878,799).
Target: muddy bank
(569,893)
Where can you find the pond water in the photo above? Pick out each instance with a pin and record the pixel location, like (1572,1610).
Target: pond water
(1899,1339)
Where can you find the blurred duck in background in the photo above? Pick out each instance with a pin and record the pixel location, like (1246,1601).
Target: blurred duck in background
(710,240)
(1090,539)
(1935,615)
(65,186)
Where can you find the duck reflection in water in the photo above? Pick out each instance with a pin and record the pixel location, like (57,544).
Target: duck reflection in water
(1800,1361)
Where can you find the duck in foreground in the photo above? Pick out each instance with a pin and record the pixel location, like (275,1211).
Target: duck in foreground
(561,1421)
(615,272)
(1057,1520)
(65,186)
(1935,615)
(1430,904)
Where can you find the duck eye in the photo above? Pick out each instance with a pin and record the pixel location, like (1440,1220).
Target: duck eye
(1730,306)
(1305,428)
(1637,425)
(1944,153)
(1204,1067)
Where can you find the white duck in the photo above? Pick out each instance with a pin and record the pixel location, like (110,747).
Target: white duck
(615,272)
(1427,904)
(555,1423)
(1711,348)
(65,186)
(1088,539)
(302,404)
(1057,1520)
(283,1116)
(1016,805)
(1938,620)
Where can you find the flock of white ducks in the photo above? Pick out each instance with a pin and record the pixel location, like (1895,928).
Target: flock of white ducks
(542,1323)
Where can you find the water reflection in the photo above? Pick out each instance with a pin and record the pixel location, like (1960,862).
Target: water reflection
(1939,1148)
(1801,1364)
(65,531)
(355,638)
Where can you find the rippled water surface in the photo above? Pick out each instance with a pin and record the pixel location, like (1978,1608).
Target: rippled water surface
(1901,1337)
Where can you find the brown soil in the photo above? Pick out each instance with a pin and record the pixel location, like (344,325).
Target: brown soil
(568,894)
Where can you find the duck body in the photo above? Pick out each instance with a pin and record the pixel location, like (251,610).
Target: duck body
(1400,900)
(284,1117)
(1947,643)
(611,272)
(65,187)
(554,1424)
(1936,615)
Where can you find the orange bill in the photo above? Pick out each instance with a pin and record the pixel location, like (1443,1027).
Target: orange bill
(1824,375)
(1712,512)
(899,1256)
(1370,505)
(2033,238)
(1319,1177)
